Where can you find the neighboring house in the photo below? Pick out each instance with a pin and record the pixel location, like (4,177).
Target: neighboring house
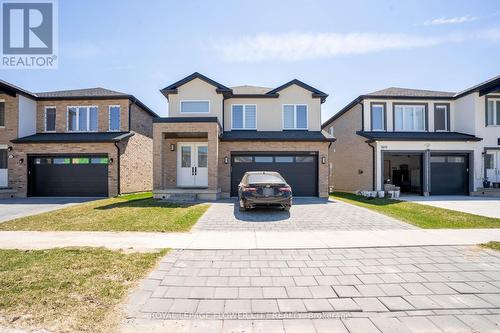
(426,142)
(86,142)
(214,134)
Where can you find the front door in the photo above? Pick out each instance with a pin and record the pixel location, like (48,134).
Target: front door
(492,165)
(192,165)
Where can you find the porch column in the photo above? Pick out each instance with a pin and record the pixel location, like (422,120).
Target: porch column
(426,167)
(213,156)
(157,157)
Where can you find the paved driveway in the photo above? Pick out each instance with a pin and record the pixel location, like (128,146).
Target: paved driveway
(393,289)
(308,214)
(474,205)
(15,208)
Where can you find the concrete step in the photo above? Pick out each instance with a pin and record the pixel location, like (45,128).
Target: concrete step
(181,197)
(486,192)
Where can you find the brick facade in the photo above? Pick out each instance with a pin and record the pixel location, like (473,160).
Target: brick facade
(350,156)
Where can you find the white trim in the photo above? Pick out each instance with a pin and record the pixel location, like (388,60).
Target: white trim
(78,118)
(244,118)
(496,122)
(294,117)
(194,100)
(109,118)
(45,118)
(384,117)
(447,116)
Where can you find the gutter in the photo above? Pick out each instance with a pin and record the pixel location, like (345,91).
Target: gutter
(373,165)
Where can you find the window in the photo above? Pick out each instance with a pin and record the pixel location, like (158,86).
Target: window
(493,112)
(283,159)
(441,117)
(243,159)
(488,161)
(294,116)
(304,159)
(331,131)
(244,117)
(263,159)
(185,157)
(2,113)
(202,157)
(80,160)
(50,119)
(99,160)
(195,106)
(114,117)
(3,159)
(409,118)
(82,118)
(378,117)
(62,160)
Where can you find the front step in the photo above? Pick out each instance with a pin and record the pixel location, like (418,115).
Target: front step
(180,197)
(486,192)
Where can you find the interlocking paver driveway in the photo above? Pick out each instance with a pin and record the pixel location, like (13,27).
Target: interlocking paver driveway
(305,214)
(393,289)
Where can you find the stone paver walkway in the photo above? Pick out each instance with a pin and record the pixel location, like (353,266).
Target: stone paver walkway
(393,289)
(309,214)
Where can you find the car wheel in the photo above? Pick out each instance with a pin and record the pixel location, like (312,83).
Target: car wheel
(242,206)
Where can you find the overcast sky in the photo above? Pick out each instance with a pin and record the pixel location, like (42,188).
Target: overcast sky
(344,48)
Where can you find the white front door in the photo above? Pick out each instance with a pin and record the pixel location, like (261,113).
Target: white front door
(192,165)
(492,165)
(4,171)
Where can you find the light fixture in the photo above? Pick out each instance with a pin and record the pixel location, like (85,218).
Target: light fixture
(111,161)
(21,161)
(323,159)
(9,148)
(172,147)
(226,160)
(11,156)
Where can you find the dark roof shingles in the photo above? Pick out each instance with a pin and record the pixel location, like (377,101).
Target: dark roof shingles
(74,137)
(405,92)
(277,136)
(417,136)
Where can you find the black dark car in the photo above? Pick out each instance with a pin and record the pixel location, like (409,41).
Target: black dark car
(264,188)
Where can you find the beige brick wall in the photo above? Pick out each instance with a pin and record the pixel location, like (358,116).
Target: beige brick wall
(225,149)
(9,132)
(350,156)
(62,113)
(18,174)
(165,161)
(136,168)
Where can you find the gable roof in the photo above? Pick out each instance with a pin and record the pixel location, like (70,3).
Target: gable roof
(244,91)
(485,87)
(12,90)
(172,89)
(315,92)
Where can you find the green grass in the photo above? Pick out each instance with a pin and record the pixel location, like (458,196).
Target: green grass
(423,216)
(135,212)
(492,245)
(68,290)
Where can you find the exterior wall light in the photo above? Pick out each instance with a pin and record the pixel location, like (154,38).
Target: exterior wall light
(323,159)
(21,161)
(226,160)
(9,148)
(172,147)
(111,161)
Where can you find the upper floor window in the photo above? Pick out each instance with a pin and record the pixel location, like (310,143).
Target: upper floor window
(244,117)
(377,115)
(331,131)
(50,119)
(409,118)
(441,117)
(195,106)
(82,118)
(294,116)
(493,112)
(114,117)
(2,113)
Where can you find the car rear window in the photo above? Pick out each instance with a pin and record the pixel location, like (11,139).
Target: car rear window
(264,178)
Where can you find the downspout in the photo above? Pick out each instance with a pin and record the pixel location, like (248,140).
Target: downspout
(118,165)
(373,165)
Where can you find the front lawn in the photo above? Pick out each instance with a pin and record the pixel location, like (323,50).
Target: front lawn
(422,216)
(135,212)
(492,245)
(68,290)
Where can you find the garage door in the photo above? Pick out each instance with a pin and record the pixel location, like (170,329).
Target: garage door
(68,176)
(449,175)
(299,170)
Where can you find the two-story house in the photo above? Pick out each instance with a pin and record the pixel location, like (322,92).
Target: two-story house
(214,134)
(86,142)
(425,142)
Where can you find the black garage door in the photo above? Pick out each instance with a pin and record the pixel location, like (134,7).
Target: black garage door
(299,170)
(68,176)
(449,174)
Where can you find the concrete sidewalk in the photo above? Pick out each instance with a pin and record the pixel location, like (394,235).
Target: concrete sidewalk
(143,241)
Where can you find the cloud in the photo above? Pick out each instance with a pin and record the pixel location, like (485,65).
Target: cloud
(307,46)
(451,20)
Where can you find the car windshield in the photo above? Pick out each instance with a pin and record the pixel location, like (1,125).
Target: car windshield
(265,178)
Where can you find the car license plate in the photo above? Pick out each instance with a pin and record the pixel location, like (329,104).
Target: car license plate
(268,191)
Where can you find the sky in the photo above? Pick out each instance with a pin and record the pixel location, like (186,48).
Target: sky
(344,48)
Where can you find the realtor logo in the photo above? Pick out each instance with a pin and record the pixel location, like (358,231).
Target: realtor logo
(29,34)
